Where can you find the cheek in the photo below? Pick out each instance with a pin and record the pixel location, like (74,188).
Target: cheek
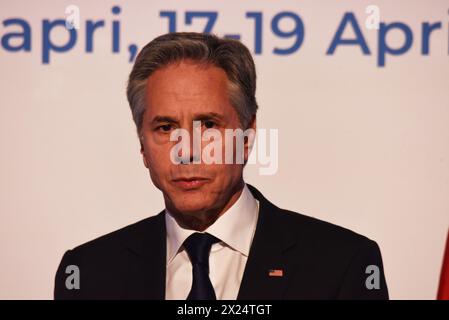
(157,151)
(227,173)
(158,159)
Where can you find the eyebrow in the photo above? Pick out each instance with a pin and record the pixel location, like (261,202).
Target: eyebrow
(158,119)
(197,117)
(208,115)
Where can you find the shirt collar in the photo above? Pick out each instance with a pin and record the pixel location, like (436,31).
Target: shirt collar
(235,227)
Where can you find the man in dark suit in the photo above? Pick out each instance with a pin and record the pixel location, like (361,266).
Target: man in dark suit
(218,237)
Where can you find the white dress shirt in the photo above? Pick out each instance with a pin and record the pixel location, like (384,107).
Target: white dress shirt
(235,229)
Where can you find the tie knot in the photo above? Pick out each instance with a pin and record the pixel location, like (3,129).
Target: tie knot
(198,247)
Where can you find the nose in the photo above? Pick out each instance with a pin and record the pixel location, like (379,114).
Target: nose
(190,152)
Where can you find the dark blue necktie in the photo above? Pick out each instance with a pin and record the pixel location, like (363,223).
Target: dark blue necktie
(198,247)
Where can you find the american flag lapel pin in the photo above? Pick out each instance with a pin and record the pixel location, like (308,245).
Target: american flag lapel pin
(275,273)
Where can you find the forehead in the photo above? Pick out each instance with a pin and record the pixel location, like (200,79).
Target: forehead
(187,85)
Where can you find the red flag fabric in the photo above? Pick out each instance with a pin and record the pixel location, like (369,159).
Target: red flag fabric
(443,291)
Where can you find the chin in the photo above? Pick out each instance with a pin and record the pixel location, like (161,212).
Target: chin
(192,201)
(192,207)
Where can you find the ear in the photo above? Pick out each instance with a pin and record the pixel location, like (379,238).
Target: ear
(250,140)
(252,123)
(142,152)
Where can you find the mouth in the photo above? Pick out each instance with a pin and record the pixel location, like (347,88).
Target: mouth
(190,183)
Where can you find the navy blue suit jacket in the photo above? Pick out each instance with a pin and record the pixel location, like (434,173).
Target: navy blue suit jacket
(318,260)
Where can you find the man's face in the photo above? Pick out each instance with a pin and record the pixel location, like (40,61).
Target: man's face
(177,95)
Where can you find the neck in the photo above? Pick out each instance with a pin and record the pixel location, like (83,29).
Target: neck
(200,221)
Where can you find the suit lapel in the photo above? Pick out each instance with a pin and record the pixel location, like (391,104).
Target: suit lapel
(267,269)
(149,248)
(269,249)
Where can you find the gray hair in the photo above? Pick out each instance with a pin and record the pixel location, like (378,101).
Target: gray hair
(230,55)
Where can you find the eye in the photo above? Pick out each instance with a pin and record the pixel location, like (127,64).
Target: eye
(165,128)
(209,124)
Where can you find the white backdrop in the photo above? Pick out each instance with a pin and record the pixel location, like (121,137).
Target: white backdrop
(362,146)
